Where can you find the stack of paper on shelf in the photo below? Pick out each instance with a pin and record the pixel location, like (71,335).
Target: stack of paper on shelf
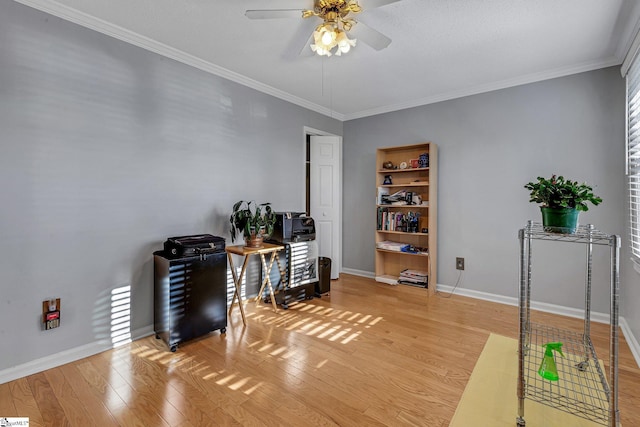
(414,277)
(393,246)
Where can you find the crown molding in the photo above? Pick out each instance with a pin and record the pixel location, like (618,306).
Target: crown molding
(630,52)
(474,90)
(628,34)
(72,15)
(112,30)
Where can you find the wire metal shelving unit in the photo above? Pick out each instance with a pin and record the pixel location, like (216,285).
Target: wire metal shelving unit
(582,389)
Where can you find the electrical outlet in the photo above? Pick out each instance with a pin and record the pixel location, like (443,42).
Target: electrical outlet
(51,313)
(459,263)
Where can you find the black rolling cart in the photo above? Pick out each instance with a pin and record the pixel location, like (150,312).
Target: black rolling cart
(300,274)
(297,233)
(190,291)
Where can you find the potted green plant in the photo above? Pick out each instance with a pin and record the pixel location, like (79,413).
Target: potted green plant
(561,201)
(254,221)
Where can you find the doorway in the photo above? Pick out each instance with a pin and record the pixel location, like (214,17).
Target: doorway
(323,193)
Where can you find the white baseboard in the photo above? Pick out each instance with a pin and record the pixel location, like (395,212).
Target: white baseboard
(362,273)
(540,306)
(66,356)
(631,340)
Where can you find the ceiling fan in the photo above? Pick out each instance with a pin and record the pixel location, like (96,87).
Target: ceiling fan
(331,36)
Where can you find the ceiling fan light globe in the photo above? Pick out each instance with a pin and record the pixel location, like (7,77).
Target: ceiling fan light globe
(344,44)
(328,35)
(321,51)
(320,44)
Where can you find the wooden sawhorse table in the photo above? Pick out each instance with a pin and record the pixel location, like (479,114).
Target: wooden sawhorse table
(246,252)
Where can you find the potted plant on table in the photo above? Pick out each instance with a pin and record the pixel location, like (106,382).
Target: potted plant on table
(561,201)
(254,221)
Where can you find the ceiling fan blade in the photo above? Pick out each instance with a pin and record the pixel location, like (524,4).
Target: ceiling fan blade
(371,4)
(273,13)
(368,35)
(301,40)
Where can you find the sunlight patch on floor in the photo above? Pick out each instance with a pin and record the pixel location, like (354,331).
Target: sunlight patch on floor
(265,347)
(240,383)
(330,324)
(225,380)
(278,351)
(326,323)
(253,388)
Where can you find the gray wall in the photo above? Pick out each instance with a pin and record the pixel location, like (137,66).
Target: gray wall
(105,151)
(490,145)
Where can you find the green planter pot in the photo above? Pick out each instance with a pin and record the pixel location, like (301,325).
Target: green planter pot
(560,220)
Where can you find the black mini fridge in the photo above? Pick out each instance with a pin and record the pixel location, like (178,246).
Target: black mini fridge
(190,296)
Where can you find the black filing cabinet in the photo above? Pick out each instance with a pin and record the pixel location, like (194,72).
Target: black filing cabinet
(190,296)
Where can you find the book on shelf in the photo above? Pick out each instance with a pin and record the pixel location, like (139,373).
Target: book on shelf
(403,281)
(414,277)
(398,221)
(418,274)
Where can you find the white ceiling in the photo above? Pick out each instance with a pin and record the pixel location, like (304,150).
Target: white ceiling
(441,49)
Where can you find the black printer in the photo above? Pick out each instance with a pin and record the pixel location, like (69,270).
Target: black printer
(293,227)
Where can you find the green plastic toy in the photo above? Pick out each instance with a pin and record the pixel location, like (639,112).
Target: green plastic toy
(548,369)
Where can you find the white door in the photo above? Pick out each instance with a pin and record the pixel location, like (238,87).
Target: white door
(325,197)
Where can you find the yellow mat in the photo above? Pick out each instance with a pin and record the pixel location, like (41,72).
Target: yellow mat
(490,400)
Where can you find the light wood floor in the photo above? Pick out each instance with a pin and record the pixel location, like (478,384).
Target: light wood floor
(369,354)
